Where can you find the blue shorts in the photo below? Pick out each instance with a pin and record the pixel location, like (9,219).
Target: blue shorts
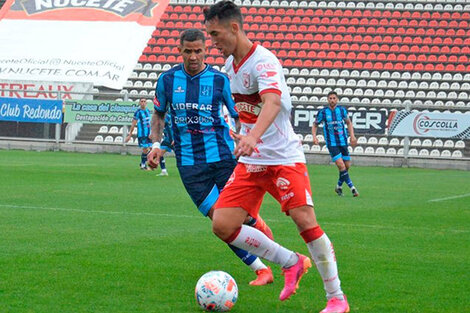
(166,145)
(144,142)
(339,152)
(203,182)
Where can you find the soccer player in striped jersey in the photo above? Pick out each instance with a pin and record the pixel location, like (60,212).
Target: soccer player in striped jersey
(271,160)
(194,94)
(141,119)
(335,120)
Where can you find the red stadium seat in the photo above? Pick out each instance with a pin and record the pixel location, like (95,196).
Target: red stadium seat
(287,63)
(453,58)
(308,63)
(398,67)
(143,58)
(429,67)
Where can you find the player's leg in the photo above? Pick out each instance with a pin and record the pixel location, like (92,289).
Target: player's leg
(143,158)
(221,172)
(164,172)
(242,196)
(344,171)
(300,209)
(165,145)
(200,186)
(336,157)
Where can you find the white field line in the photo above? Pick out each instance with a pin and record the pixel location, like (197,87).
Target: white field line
(193,216)
(450,198)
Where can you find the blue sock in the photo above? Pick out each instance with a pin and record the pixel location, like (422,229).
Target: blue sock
(162,163)
(340,180)
(143,158)
(244,255)
(344,176)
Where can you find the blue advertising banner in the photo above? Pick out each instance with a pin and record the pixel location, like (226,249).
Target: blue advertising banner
(31,110)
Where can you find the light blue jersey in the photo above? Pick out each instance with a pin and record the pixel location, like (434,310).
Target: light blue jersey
(195,103)
(334,125)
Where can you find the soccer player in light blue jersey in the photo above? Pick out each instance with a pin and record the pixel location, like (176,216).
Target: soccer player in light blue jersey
(142,121)
(193,94)
(335,121)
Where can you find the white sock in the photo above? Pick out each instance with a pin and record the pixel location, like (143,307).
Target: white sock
(257,265)
(257,243)
(323,254)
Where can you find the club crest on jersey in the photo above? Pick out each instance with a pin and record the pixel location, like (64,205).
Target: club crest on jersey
(179,90)
(282,183)
(205,90)
(246,80)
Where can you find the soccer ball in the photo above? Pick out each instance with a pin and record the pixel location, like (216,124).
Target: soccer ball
(216,291)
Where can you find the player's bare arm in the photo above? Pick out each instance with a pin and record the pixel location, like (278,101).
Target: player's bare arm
(351,132)
(314,133)
(134,123)
(157,126)
(269,111)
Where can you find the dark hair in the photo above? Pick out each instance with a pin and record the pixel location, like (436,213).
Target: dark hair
(332,93)
(192,34)
(223,11)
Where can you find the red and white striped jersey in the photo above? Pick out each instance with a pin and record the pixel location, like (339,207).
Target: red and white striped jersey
(261,72)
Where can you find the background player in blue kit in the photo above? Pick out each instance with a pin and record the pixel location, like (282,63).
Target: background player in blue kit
(334,118)
(142,120)
(166,144)
(193,94)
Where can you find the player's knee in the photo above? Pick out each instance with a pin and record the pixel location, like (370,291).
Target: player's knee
(304,217)
(222,229)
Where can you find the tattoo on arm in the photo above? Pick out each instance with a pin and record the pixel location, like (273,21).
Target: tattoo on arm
(157,126)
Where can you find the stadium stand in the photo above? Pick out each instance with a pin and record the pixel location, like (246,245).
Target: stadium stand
(379,55)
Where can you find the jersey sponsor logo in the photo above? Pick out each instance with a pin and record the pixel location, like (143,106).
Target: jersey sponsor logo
(282,183)
(190,120)
(205,90)
(267,66)
(253,168)
(179,90)
(246,80)
(191,106)
(248,107)
(287,196)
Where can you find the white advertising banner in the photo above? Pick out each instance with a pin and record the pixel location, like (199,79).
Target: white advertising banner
(44,90)
(97,41)
(424,124)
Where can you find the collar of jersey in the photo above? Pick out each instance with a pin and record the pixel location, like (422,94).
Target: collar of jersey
(198,74)
(236,67)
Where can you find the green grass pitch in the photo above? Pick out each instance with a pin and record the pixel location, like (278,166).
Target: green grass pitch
(83,233)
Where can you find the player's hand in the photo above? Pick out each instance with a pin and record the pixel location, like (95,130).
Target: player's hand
(315,140)
(153,158)
(246,145)
(353,141)
(128,138)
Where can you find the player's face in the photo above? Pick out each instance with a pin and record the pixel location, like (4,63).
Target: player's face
(193,53)
(332,100)
(142,103)
(223,35)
